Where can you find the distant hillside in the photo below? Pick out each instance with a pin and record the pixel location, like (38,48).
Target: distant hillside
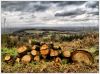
(72,29)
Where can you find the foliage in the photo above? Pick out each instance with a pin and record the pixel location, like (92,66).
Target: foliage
(11,51)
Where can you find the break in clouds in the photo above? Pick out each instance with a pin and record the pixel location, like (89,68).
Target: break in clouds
(50,13)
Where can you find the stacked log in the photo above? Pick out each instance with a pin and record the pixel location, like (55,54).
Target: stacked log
(53,53)
(34,52)
(7,58)
(26,59)
(37,58)
(17,60)
(66,53)
(21,49)
(46,51)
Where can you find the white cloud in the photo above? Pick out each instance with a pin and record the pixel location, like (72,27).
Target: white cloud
(44,14)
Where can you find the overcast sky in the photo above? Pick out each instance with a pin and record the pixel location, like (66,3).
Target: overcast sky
(49,13)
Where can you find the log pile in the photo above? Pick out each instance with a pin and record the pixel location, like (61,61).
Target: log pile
(49,52)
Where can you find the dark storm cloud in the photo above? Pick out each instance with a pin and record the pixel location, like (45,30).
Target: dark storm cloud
(23,6)
(95,4)
(94,13)
(70,3)
(71,13)
(40,7)
(63,3)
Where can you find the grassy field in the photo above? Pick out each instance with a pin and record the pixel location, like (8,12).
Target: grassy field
(67,41)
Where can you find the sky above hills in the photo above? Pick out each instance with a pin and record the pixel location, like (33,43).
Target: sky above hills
(49,13)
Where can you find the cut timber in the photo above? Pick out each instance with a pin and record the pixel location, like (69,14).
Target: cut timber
(45,46)
(66,53)
(7,58)
(54,52)
(34,47)
(37,58)
(44,52)
(82,56)
(34,52)
(18,60)
(44,56)
(26,59)
(57,60)
(21,49)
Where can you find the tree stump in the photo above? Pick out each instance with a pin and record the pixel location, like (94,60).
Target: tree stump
(82,56)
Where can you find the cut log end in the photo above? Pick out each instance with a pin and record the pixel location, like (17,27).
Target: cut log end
(7,58)
(66,53)
(17,60)
(44,52)
(26,59)
(21,49)
(34,52)
(57,60)
(36,58)
(82,56)
(45,46)
(53,53)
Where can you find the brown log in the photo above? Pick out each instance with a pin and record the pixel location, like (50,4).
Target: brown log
(54,52)
(44,56)
(26,59)
(82,56)
(37,58)
(34,52)
(34,47)
(57,60)
(45,46)
(21,49)
(66,53)
(17,60)
(44,52)
(7,58)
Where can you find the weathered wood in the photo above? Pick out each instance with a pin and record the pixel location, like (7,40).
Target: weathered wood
(53,52)
(58,60)
(26,59)
(37,58)
(34,52)
(45,46)
(7,58)
(44,52)
(36,47)
(21,49)
(17,60)
(82,56)
(66,53)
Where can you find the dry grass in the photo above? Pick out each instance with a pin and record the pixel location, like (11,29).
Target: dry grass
(49,67)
